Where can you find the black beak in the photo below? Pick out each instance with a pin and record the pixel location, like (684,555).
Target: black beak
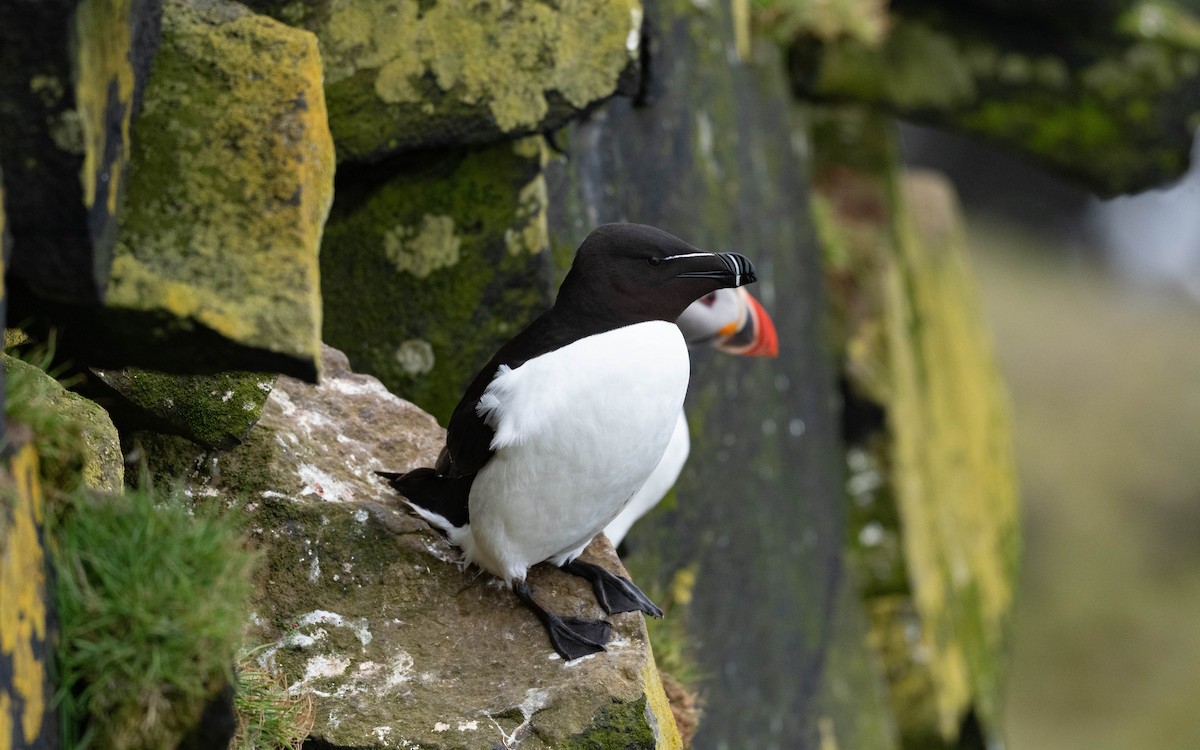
(736,268)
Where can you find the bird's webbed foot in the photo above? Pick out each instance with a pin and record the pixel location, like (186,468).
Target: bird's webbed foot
(572,637)
(613,592)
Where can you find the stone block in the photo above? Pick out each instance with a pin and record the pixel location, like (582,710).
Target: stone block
(406,74)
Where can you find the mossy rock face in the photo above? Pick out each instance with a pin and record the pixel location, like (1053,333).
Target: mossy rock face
(216,265)
(71,76)
(1114,110)
(431,263)
(931,478)
(402,74)
(215,411)
(362,606)
(99,450)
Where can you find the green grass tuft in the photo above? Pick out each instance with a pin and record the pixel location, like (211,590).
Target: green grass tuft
(151,599)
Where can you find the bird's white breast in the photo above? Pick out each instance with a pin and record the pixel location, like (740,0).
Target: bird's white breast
(661,480)
(577,432)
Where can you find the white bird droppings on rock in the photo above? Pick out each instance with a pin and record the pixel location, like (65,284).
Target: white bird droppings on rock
(401,669)
(317,667)
(322,484)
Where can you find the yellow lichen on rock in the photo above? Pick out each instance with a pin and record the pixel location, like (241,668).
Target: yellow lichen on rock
(934,511)
(423,249)
(103,67)
(953,474)
(95,445)
(666,734)
(530,232)
(403,73)
(507,55)
(231,183)
(23,616)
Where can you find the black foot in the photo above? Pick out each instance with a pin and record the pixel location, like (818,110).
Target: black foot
(572,637)
(614,593)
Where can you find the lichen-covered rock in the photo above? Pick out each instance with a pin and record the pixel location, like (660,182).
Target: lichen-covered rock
(930,466)
(402,74)
(71,79)
(99,449)
(1115,110)
(362,606)
(216,265)
(215,411)
(26,624)
(429,266)
(955,483)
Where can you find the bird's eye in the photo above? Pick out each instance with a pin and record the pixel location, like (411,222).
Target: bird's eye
(709,299)
(655,261)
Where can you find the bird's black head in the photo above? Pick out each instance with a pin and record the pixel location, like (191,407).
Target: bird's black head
(633,272)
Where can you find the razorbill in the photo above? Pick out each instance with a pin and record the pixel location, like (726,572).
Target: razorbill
(730,321)
(558,431)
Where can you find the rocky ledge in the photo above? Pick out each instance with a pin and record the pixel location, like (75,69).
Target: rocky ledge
(363,606)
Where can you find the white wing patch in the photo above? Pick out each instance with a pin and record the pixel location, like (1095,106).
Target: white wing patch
(507,407)
(489,408)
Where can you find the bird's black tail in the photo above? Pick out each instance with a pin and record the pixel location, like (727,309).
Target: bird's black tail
(438,495)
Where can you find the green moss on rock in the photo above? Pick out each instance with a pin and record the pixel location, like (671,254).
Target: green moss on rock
(1114,109)
(231,183)
(429,266)
(620,726)
(213,410)
(403,73)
